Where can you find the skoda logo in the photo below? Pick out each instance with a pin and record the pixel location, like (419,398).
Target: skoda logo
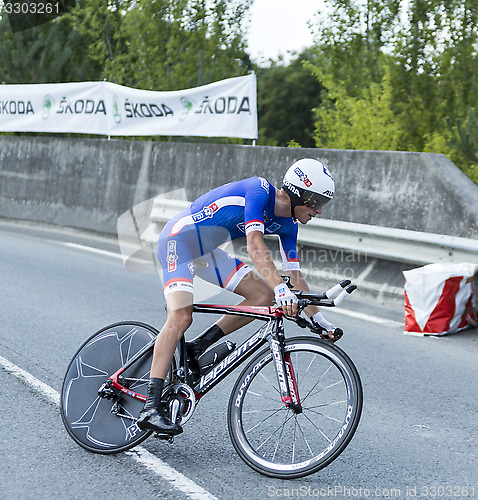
(188,104)
(116,109)
(48,103)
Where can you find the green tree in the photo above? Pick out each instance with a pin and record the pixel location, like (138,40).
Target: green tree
(49,53)
(286,95)
(165,44)
(422,65)
(366,122)
(350,38)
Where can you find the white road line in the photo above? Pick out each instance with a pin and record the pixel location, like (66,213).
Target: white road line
(34,383)
(92,250)
(178,480)
(140,454)
(369,317)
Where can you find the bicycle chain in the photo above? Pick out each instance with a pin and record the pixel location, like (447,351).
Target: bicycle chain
(136,380)
(114,412)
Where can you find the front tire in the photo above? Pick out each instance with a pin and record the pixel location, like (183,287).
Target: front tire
(279,443)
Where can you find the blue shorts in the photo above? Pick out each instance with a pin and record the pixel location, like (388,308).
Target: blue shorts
(180,262)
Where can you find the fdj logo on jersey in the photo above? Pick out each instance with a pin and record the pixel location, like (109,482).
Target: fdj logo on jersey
(303,177)
(172,256)
(205,213)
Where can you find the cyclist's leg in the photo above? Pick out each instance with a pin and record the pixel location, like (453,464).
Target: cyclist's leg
(231,274)
(176,262)
(154,415)
(179,307)
(175,257)
(256,292)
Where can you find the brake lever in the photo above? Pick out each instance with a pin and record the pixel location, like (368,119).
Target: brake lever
(338,332)
(304,323)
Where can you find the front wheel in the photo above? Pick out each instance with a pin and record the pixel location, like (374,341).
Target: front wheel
(278,442)
(107,425)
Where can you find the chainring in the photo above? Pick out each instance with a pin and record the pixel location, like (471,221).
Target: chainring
(181,402)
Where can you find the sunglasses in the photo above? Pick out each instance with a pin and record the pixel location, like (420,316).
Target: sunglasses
(315,201)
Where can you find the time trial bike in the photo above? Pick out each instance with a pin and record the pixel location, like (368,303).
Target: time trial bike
(292,411)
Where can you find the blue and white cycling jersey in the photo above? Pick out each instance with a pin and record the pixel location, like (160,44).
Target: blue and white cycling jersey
(224,213)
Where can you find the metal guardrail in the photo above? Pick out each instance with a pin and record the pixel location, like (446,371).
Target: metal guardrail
(385,243)
(399,245)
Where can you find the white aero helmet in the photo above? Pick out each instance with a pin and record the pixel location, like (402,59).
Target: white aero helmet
(309,182)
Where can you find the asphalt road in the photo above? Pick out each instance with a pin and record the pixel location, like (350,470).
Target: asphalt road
(417,437)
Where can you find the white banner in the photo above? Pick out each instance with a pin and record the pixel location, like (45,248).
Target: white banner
(222,109)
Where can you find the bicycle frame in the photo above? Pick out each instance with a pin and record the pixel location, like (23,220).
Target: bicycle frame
(272,331)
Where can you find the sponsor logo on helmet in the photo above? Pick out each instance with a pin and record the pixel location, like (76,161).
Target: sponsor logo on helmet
(290,186)
(328,193)
(326,172)
(303,177)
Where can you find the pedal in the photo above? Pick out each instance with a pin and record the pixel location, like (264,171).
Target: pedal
(164,437)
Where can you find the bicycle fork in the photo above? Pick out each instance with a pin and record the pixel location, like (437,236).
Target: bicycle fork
(284,370)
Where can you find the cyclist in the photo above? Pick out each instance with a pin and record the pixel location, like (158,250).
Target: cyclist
(188,246)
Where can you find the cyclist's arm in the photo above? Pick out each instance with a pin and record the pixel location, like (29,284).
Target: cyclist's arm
(291,265)
(299,282)
(256,199)
(262,258)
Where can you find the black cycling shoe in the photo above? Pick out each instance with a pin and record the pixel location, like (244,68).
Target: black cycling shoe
(155,420)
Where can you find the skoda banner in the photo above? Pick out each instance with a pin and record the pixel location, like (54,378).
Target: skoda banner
(222,109)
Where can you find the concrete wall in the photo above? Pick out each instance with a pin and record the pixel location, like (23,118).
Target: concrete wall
(88,183)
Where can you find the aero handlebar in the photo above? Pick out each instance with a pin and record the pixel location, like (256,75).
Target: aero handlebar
(331,298)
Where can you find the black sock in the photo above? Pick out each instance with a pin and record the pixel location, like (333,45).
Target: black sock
(207,338)
(155,391)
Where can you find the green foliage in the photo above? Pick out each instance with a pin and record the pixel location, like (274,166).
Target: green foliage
(150,44)
(464,136)
(100,22)
(286,95)
(350,38)
(165,44)
(396,73)
(442,142)
(367,122)
(49,53)
(462,144)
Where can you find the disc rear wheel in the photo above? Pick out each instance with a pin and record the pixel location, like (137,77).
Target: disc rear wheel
(95,423)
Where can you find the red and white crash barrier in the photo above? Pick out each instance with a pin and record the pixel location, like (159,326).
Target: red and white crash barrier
(440,298)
